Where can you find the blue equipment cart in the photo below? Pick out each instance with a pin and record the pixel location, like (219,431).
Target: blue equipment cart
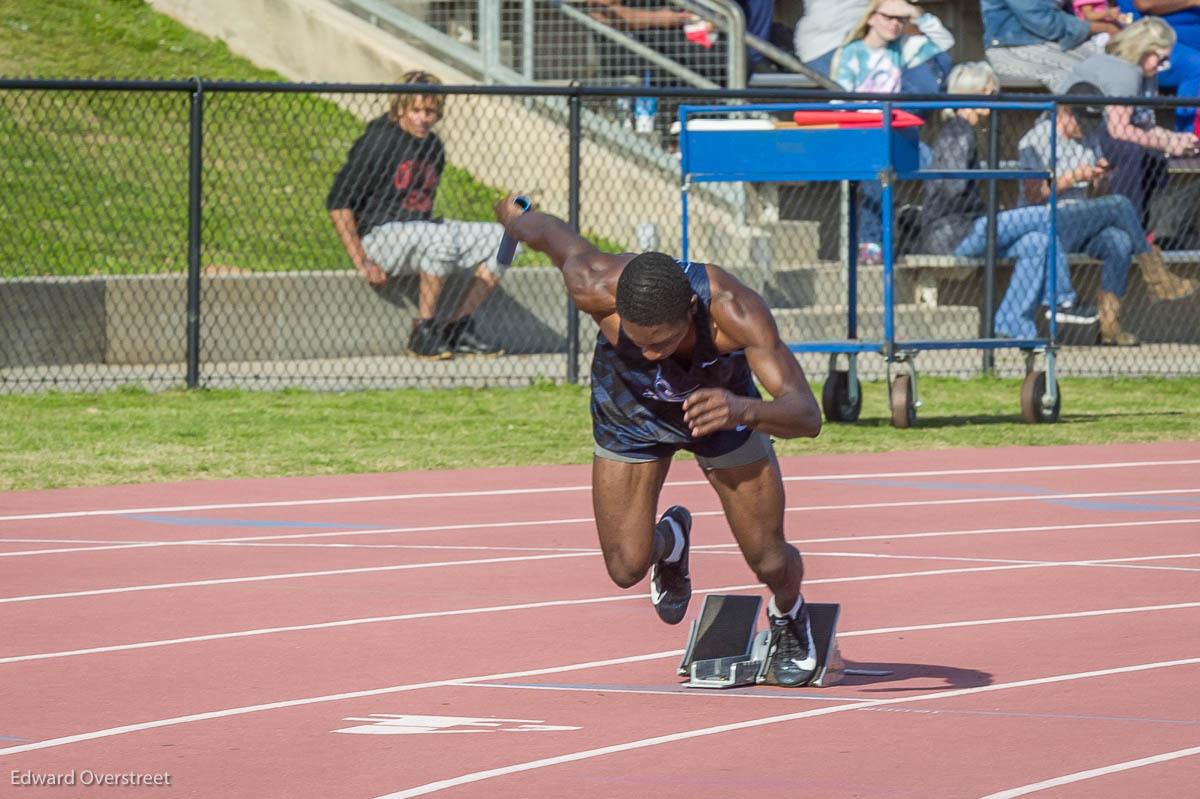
(719,143)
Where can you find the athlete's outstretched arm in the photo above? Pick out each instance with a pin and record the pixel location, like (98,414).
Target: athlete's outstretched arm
(589,274)
(743,321)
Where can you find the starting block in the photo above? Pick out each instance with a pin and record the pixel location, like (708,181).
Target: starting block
(726,650)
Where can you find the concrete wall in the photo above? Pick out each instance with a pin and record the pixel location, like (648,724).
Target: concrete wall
(137,320)
(51,321)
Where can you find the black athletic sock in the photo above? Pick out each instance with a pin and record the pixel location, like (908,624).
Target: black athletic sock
(665,539)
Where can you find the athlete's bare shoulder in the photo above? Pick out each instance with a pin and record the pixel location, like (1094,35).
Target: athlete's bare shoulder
(591,280)
(740,317)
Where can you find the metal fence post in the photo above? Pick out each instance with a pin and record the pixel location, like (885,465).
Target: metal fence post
(528,35)
(989,279)
(576,105)
(489,38)
(196,119)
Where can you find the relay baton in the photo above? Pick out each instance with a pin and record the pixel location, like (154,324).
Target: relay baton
(508,245)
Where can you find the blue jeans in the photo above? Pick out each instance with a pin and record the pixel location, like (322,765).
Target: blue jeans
(1106,228)
(759,14)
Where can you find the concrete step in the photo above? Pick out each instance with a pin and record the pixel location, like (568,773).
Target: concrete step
(771,245)
(822,283)
(828,322)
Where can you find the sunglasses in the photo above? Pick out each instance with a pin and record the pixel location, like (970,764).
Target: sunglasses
(891,18)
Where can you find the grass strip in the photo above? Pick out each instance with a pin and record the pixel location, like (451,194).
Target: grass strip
(131,436)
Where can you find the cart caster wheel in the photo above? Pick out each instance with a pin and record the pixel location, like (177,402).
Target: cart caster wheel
(835,398)
(904,410)
(1032,395)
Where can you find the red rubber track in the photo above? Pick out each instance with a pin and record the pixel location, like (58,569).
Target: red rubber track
(1038,610)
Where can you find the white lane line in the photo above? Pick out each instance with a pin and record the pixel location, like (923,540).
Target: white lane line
(1004,565)
(990,499)
(480,776)
(560,489)
(104,547)
(969,559)
(1037,528)
(280,545)
(1126,562)
(433,528)
(327,625)
(281,540)
(565,603)
(266,542)
(393,689)
(290,576)
(439,564)
(441,528)
(1077,614)
(238,711)
(576,552)
(1102,771)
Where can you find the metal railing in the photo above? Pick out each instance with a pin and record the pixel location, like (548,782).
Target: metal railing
(565,29)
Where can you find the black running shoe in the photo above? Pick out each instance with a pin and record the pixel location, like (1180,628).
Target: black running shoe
(1074,313)
(464,340)
(791,655)
(428,340)
(671,583)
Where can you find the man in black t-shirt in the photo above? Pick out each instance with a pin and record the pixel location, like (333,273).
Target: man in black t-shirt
(381,203)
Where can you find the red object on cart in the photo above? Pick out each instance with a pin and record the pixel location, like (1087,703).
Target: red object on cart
(854,119)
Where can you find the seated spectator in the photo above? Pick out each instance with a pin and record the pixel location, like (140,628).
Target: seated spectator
(381,203)
(1037,39)
(871,60)
(1081,169)
(1183,74)
(679,35)
(1131,139)
(825,24)
(878,49)
(822,28)
(955,222)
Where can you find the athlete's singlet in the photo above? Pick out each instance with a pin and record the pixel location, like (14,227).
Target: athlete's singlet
(637,404)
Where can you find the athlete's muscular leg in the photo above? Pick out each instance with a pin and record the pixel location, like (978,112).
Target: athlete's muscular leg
(625,500)
(752,496)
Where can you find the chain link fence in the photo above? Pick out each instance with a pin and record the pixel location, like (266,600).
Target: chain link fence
(176,233)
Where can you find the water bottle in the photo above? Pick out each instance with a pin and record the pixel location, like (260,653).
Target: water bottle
(644,109)
(625,112)
(508,245)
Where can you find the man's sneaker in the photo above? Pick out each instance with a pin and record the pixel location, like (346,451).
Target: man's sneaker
(428,340)
(1074,313)
(671,583)
(463,340)
(791,654)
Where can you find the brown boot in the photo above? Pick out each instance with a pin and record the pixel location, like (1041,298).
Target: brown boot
(1111,333)
(1162,284)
